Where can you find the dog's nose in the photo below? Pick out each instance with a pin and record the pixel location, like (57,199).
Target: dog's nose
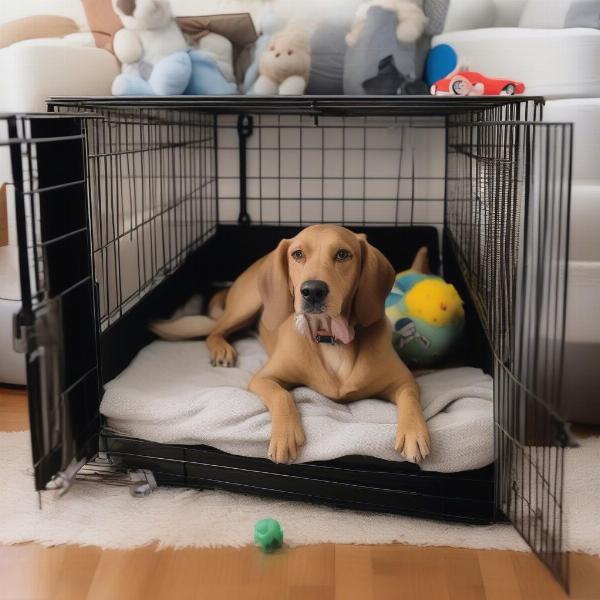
(314,291)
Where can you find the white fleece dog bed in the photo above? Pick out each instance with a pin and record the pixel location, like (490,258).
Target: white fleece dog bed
(170,394)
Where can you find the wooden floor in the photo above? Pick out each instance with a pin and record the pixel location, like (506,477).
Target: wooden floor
(324,572)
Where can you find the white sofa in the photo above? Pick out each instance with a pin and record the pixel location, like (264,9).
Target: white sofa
(561,64)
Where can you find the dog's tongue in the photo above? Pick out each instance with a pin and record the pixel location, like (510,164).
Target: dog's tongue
(341,330)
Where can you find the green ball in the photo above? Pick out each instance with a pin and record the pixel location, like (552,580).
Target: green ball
(268,535)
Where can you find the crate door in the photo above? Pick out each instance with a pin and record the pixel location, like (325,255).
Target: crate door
(507,221)
(56,326)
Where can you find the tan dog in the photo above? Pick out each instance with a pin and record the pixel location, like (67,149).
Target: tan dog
(326,284)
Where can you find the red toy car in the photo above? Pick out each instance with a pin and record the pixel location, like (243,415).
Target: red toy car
(471,83)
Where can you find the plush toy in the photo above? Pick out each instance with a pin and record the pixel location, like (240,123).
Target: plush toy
(441,61)
(388,44)
(151,48)
(271,23)
(156,58)
(426,313)
(285,65)
(212,67)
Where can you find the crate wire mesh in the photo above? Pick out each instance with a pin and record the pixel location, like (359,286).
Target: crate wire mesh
(381,170)
(507,215)
(152,181)
(160,180)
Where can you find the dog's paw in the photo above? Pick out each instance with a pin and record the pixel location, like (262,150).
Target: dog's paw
(287,436)
(222,353)
(412,440)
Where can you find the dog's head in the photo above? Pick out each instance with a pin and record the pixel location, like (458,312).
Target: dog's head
(331,278)
(143,14)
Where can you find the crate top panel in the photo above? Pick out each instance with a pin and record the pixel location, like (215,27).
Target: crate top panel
(300,105)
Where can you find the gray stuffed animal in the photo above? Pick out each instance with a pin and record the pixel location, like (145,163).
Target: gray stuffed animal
(388,45)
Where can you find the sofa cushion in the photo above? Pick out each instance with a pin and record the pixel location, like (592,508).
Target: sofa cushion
(552,62)
(41,26)
(584,113)
(10,287)
(547,14)
(470,14)
(12,365)
(584,241)
(584,14)
(31,73)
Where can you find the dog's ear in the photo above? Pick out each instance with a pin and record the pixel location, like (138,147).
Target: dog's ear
(274,287)
(376,280)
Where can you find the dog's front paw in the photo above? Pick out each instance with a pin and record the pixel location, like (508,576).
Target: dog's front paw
(412,439)
(222,353)
(287,436)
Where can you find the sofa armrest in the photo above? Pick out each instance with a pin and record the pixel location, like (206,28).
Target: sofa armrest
(555,63)
(32,72)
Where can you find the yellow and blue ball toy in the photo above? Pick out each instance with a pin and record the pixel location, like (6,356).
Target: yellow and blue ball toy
(427,318)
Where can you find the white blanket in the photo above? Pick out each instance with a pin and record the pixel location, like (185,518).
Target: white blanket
(171,394)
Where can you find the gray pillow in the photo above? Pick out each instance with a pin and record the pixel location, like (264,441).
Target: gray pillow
(585,13)
(328,49)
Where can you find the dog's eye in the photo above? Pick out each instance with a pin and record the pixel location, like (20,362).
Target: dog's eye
(342,255)
(298,255)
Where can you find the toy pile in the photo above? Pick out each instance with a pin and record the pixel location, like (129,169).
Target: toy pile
(372,47)
(218,55)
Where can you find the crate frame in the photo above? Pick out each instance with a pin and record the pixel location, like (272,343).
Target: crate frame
(505,489)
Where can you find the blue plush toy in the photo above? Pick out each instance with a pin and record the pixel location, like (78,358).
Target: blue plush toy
(156,58)
(426,313)
(441,61)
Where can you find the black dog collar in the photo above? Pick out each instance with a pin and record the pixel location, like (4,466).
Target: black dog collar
(325,339)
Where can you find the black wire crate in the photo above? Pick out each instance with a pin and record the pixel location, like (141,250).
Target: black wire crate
(155,199)
(507,219)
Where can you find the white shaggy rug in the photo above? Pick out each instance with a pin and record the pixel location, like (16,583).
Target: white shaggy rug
(107,516)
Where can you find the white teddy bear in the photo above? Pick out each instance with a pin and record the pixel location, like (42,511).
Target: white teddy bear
(285,64)
(151,48)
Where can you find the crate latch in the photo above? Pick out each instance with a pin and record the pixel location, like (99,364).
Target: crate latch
(23,333)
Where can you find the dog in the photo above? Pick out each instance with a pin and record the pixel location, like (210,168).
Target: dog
(319,300)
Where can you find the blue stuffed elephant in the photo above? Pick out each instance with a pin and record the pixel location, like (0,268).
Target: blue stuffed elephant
(157,59)
(193,72)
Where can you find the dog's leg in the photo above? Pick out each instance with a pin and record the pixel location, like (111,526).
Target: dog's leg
(287,434)
(412,436)
(242,306)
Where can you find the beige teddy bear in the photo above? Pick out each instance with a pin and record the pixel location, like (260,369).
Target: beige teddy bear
(285,64)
